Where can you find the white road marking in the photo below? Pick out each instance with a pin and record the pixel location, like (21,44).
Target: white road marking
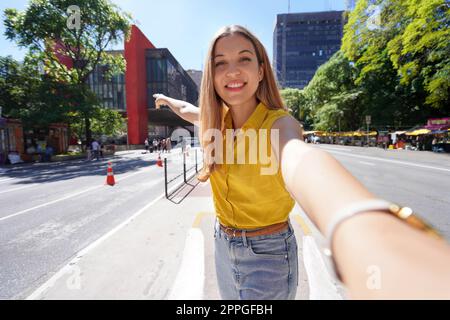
(190,279)
(321,285)
(367,163)
(20,188)
(332,148)
(392,161)
(68,269)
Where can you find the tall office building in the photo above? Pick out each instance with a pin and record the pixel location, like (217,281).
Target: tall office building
(302,42)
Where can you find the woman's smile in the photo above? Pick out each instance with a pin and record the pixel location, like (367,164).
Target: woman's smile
(235,86)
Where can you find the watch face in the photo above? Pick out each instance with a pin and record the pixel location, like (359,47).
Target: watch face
(405,212)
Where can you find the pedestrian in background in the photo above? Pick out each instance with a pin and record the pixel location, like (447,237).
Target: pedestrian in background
(146,144)
(159,145)
(101,150)
(183,145)
(169,144)
(95,150)
(48,153)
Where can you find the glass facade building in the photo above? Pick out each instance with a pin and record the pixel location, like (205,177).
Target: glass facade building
(302,42)
(165,75)
(111,92)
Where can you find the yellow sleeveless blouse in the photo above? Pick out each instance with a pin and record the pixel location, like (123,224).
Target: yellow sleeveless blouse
(251,194)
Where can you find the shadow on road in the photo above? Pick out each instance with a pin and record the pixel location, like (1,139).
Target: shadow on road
(60,171)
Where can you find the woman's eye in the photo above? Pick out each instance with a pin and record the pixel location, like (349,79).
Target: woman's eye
(246,59)
(220,63)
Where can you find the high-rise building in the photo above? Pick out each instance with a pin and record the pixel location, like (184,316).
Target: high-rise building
(302,42)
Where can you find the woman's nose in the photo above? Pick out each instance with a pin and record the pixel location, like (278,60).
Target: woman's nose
(233,70)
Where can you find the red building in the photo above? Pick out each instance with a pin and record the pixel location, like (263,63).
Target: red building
(149,70)
(136,85)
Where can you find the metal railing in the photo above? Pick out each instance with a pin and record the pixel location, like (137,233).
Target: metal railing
(184,174)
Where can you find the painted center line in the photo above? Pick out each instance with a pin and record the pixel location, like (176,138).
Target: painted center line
(331,148)
(367,163)
(391,161)
(20,188)
(68,269)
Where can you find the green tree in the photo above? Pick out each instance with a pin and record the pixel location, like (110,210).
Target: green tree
(332,97)
(420,52)
(295,100)
(29,95)
(105,122)
(400,49)
(69,52)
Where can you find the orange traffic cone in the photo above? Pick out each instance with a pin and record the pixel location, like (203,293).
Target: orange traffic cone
(110,175)
(159,161)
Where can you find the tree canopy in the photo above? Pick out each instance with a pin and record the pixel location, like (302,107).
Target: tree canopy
(68,39)
(393,65)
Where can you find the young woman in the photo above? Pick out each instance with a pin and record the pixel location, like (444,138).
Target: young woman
(255,247)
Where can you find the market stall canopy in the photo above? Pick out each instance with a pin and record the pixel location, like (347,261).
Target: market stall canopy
(418,132)
(363,133)
(438,124)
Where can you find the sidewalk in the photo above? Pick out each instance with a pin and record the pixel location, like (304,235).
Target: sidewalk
(165,251)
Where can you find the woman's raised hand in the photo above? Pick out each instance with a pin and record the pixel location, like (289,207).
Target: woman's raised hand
(182,108)
(161,100)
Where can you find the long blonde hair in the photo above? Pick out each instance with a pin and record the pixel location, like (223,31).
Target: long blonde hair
(212,108)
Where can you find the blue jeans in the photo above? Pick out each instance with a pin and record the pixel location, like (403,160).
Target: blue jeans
(257,268)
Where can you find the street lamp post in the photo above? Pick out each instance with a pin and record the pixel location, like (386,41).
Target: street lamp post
(368,120)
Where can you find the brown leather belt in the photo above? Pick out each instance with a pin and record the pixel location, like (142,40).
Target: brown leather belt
(259,232)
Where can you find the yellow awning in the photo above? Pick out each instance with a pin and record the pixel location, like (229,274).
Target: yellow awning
(418,132)
(362,133)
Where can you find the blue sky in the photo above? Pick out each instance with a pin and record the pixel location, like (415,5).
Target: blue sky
(185,27)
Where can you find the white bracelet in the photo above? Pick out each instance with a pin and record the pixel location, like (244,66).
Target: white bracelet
(352,210)
(403,213)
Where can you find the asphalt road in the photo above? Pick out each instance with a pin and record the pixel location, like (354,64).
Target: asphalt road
(50,211)
(417,179)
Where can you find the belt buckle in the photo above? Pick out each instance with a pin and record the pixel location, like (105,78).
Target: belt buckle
(227,229)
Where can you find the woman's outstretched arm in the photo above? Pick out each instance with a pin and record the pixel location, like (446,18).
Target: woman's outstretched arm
(184,109)
(409,263)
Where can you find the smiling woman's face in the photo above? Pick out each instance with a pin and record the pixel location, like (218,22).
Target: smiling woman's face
(237,72)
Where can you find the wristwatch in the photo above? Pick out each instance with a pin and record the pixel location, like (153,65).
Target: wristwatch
(403,213)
